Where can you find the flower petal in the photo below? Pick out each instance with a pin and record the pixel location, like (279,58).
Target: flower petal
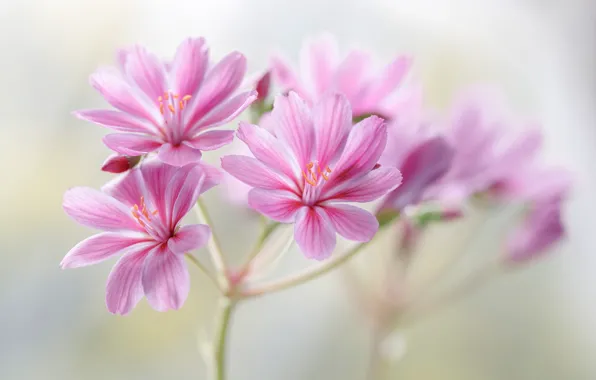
(147,71)
(165,279)
(226,111)
(314,233)
(364,146)
(294,126)
(189,238)
(116,120)
(183,190)
(127,188)
(388,81)
(353,223)
(213,176)
(278,205)
(98,248)
(121,95)
(267,149)
(212,140)
(189,66)
(131,144)
(287,77)
(252,172)
(424,166)
(221,81)
(332,118)
(351,74)
(95,209)
(124,288)
(318,60)
(180,155)
(367,188)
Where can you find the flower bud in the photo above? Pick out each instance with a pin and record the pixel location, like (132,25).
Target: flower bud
(119,164)
(262,87)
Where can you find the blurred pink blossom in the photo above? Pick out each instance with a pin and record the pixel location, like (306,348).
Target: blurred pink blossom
(141,213)
(168,108)
(315,161)
(369,89)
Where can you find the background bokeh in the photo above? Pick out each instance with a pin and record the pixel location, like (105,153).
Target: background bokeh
(537,323)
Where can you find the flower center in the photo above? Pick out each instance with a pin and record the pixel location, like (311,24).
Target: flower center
(310,176)
(173,102)
(141,214)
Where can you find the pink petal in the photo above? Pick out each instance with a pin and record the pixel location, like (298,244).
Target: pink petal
(165,279)
(542,228)
(190,65)
(212,140)
(332,117)
(121,95)
(189,238)
(213,176)
(147,71)
(180,155)
(157,176)
(183,190)
(367,188)
(116,120)
(98,248)
(226,111)
(124,288)
(353,223)
(388,81)
(351,74)
(294,126)
(131,144)
(318,60)
(95,209)
(365,145)
(314,233)
(287,77)
(252,172)
(278,205)
(127,188)
(221,81)
(423,167)
(267,149)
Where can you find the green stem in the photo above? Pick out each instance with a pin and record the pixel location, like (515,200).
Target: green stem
(304,276)
(202,268)
(221,336)
(213,246)
(267,230)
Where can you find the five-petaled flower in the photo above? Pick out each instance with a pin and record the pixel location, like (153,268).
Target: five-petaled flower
(141,213)
(315,162)
(168,107)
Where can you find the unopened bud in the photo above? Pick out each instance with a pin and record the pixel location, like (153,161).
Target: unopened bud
(119,164)
(262,87)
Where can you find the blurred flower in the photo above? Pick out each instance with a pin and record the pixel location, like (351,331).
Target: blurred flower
(541,229)
(292,176)
(116,163)
(168,107)
(141,212)
(418,151)
(370,90)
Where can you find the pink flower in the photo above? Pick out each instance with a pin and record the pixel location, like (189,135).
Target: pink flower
(541,229)
(370,90)
(421,154)
(141,213)
(315,162)
(169,108)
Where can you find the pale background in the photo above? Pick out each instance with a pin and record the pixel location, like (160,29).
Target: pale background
(535,324)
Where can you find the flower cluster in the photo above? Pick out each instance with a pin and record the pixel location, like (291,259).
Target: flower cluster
(340,132)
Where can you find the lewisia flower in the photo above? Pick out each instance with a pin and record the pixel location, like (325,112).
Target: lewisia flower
(421,154)
(140,213)
(169,107)
(314,164)
(370,90)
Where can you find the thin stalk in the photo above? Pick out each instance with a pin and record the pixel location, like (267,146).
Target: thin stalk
(213,245)
(221,337)
(202,268)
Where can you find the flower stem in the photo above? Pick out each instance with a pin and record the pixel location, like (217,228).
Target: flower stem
(267,230)
(202,268)
(213,246)
(227,306)
(304,276)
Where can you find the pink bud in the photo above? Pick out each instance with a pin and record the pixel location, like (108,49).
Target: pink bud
(119,164)
(263,85)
